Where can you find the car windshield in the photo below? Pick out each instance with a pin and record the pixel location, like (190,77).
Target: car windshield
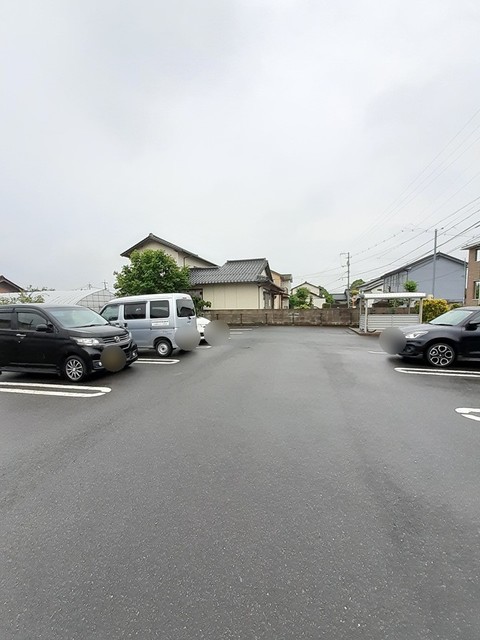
(76,317)
(452,318)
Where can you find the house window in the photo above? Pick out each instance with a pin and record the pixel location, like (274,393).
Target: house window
(477,255)
(476,290)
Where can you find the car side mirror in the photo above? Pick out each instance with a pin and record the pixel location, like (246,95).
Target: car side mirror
(45,328)
(472,326)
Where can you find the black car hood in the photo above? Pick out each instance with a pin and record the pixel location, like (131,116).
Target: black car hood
(431,328)
(98,331)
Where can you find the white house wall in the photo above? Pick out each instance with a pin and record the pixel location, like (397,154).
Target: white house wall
(233,296)
(312,288)
(182,259)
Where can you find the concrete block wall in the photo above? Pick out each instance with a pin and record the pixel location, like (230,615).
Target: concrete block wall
(283,317)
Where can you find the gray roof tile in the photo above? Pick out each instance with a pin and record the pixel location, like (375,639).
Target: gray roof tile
(233,271)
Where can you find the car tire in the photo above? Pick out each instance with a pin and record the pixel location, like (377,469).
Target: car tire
(74,369)
(440,355)
(164,348)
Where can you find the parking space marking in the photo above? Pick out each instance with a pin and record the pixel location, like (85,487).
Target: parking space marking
(39,389)
(157,361)
(469,412)
(433,372)
(377,352)
(204,346)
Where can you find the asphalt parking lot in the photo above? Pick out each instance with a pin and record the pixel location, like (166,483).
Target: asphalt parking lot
(294,483)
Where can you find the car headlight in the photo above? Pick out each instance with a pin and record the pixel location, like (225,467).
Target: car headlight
(415,334)
(87,342)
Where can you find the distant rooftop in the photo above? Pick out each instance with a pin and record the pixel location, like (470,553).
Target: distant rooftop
(153,238)
(233,272)
(473,244)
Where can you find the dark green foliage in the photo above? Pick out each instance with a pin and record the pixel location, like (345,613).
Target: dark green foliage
(410,285)
(302,299)
(151,271)
(200,304)
(324,293)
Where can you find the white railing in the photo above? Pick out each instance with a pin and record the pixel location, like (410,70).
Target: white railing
(381,321)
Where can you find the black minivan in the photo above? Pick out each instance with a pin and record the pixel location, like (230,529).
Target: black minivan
(67,340)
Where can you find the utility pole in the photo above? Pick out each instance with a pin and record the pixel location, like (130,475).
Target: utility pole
(434,262)
(348,277)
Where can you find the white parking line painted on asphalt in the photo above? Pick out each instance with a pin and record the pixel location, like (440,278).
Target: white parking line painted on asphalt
(38,389)
(204,346)
(468,412)
(377,352)
(434,372)
(157,361)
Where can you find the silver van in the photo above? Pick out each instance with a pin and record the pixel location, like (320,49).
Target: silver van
(152,319)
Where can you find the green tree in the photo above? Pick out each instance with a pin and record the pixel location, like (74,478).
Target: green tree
(151,271)
(22,297)
(410,285)
(301,299)
(355,286)
(200,304)
(324,293)
(434,307)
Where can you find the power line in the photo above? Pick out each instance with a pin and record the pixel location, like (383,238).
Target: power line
(322,273)
(381,253)
(387,211)
(448,199)
(474,225)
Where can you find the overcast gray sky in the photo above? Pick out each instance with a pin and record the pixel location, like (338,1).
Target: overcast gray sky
(294,130)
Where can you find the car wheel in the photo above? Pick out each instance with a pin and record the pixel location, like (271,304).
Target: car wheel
(440,354)
(74,369)
(163,348)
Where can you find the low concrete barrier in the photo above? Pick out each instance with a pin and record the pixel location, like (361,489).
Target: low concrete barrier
(282,317)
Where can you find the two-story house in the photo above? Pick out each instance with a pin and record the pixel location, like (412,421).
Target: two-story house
(442,278)
(473,281)
(237,284)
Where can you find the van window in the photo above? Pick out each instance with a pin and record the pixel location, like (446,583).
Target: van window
(185,308)
(135,311)
(110,313)
(5,319)
(159,309)
(28,320)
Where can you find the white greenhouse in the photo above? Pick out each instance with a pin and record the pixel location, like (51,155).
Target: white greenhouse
(93,298)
